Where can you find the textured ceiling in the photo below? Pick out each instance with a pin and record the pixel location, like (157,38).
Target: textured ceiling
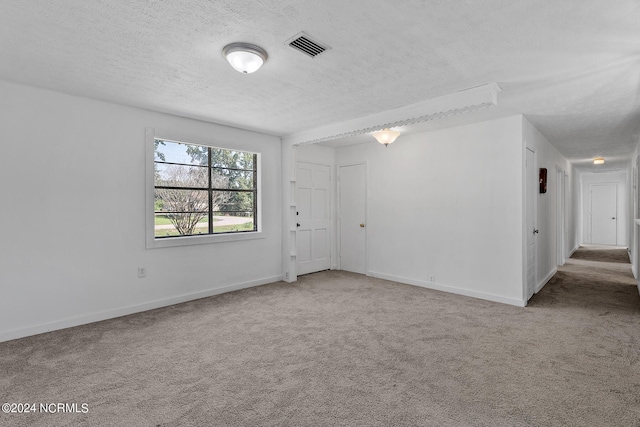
(572,67)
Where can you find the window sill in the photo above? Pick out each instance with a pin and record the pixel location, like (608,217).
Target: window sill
(154,243)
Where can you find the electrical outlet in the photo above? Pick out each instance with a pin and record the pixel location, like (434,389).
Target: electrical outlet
(432,278)
(286,275)
(142,272)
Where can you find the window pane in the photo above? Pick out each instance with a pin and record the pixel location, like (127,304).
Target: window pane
(176,152)
(233,201)
(235,179)
(180,224)
(231,159)
(181,176)
(172,200)
(229,222)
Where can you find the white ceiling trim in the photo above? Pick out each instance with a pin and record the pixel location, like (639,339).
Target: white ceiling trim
(463,102)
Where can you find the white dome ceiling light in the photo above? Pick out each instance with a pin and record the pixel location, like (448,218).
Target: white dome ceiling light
(386,136)
(245,57)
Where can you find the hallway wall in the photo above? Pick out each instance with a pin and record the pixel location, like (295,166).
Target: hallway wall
(633,231)
(447,205)
(548,157)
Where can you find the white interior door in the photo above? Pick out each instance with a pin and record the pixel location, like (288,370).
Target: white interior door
(313,206)
(604,214)
(531,230)
(353,189)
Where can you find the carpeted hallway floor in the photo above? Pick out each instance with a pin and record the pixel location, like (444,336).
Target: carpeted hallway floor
(340,349)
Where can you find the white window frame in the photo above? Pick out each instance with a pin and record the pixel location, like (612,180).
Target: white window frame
(151,134)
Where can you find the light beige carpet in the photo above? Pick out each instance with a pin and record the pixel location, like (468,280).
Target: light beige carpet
(340,349)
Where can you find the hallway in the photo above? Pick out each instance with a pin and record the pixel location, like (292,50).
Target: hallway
(592,306)
(597,280)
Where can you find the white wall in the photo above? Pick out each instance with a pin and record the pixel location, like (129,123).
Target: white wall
(448,204)
(73,215)
(633,231)
(620,178)
(321,155)
(547,156)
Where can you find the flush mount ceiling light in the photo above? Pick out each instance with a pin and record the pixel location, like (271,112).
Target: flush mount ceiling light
(598,160)
(386,136)
(244,57)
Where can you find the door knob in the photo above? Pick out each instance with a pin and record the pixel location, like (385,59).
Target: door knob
(297,224)
(613,217)
(362,225)
(536,231)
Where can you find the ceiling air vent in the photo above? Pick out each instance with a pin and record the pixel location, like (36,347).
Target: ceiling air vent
(305,44)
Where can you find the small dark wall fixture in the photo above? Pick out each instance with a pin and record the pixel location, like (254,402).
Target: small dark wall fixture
(543,180)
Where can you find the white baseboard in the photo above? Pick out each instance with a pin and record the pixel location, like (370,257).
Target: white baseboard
(124,311)
(450,289)
(546,280)
(573,251)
